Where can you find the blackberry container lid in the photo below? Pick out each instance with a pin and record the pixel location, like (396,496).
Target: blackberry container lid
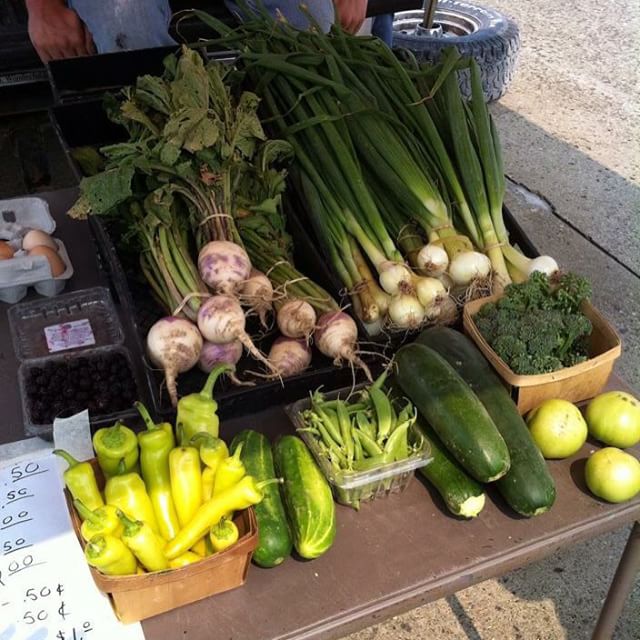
(92,307)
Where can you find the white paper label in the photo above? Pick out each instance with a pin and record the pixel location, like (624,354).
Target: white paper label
(69,335)
(46,590)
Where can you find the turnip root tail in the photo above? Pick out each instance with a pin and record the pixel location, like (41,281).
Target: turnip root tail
(255,352)
(172,386)
(240,383)
(350,356)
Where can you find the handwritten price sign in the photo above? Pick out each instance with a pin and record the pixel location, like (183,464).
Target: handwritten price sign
(46,590)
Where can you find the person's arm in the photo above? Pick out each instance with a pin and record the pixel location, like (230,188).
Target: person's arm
(351,13)
(56,31)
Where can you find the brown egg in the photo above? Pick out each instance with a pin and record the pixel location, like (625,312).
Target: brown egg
(37,238)
(6,252)
(55,261)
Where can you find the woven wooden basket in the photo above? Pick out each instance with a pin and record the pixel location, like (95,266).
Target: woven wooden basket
(577,383)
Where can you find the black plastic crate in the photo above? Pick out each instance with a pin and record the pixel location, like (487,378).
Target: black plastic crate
(82,121)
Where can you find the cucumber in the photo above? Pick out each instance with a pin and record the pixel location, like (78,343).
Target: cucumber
(274,537)
(453,410)
(308,499)
(528,487)
(463,495)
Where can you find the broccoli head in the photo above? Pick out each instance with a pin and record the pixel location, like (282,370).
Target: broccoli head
(570,292)
(509,347)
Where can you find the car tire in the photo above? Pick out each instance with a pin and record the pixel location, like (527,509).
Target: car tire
(490,37)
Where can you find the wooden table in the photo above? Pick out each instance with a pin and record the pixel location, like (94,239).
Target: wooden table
(391,556)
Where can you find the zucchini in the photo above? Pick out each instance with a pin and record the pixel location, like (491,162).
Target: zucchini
(308,499)
(528,487)
(463,495)
(274,537)
(453,410)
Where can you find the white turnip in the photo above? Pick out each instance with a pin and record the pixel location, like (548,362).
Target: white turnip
(257,293)
(222,321)
(174,344)
(223,266)
(336,337)
(296,319)
(214,354)
(290,356)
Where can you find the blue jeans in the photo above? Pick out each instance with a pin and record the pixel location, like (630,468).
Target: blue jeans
(117,25)
(382,27)
(322,11)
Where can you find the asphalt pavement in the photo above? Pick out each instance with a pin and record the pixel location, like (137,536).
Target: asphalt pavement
(570,126)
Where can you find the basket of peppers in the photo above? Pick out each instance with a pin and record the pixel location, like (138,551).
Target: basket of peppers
(164,520)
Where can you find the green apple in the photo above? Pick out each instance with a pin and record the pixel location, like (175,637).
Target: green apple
(613,475)
(614,418)
(558,428)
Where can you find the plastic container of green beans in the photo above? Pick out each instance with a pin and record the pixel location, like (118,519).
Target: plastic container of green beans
(352,488)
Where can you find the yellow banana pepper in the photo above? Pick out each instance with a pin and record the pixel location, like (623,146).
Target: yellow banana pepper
(100,521)
(80,479)
(186,482)
(230,472)
(129,494)
(145,544)
(188,557)
(223,535)
(241,495)
(110,556)
(208,479)
(156,444)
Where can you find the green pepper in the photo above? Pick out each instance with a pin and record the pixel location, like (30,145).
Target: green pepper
(240,496)
(145,544)
(197,411)
(156,444)
(230,472)
(110,556)
(80,479)
(128,493)
(113,444)
(100,521)
(223,535)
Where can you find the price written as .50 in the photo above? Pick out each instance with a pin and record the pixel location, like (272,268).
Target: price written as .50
(14,511)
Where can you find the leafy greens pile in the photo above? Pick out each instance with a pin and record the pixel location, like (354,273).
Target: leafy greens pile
(537,326)
(196,161)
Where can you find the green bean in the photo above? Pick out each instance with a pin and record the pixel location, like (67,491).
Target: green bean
(330,421)
(365,425)
(383,409)
(397,446)
(368,444)
(357,445)
(345,431)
